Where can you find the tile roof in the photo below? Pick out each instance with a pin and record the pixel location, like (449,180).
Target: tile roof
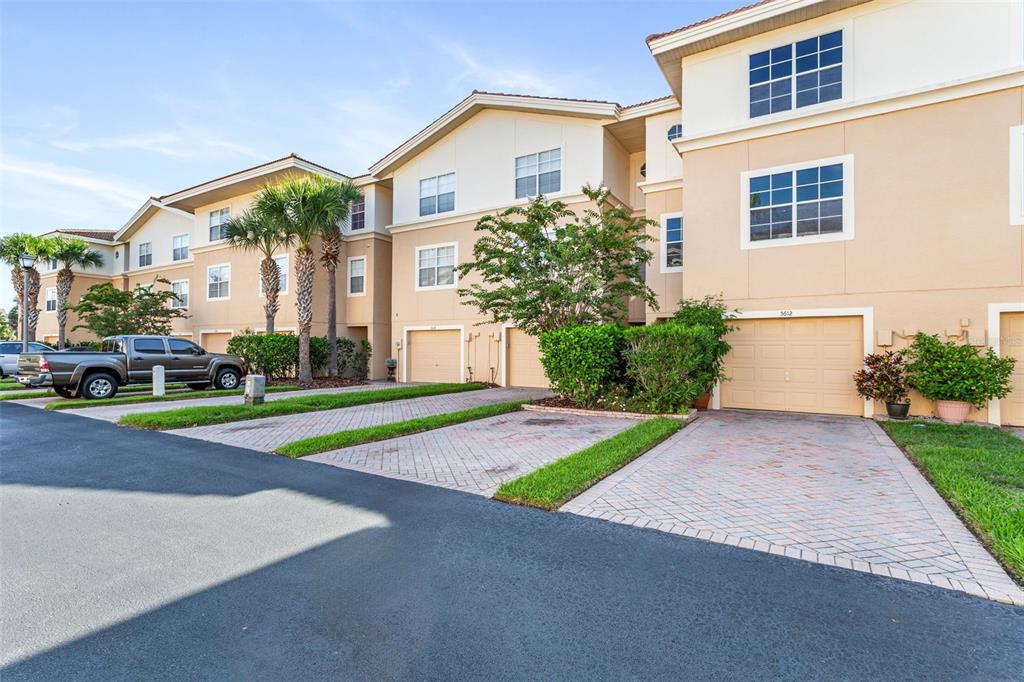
(655,36)
(293,155)
(648,101)
(105,235)
(559,99)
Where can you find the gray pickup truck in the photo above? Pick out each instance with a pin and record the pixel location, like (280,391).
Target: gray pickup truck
(124,360)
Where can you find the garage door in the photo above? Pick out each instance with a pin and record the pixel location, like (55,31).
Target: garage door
(434,355)
(803,364)
(1011,344)
(523,358)
(216,343)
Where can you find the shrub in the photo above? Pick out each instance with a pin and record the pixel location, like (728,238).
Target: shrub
(711,313)
(582,361)
(945,370)
(346,349)
(361,360)
(319,353)
(884,377)
(279,354)
(667,366)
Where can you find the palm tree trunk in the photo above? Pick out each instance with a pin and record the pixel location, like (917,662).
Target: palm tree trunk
(271,283)
(305,268)
(33,303)
(65,280)
(332,318)
(18,281)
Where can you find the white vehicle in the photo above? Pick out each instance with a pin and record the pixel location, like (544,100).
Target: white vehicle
(9,355)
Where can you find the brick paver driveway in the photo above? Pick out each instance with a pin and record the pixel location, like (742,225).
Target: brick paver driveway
(478,456)
(833,490)
(267,434)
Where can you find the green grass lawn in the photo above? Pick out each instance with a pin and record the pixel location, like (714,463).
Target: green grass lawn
(554,484)
(220,414)
(11,387)
(26,394)
(980,472)
(80,403)
(344,439)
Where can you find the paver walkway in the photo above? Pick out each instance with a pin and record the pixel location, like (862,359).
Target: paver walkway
(833,490)
(112,413)
(267,434)
(478,456)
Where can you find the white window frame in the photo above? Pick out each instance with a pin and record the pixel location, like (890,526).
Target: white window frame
(353,213)
(188,294)
(1017,175)
(47,300)
(668,132)
(187,247)
(139,255)
(848,202)
(845,75)
(663,255)
(281,269)
(208,269)
(218,211)
(437,193)
(348,272)
(561,174)
(455,271)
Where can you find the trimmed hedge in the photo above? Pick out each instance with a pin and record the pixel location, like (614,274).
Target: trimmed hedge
(277,355)
(946,370)
(583,361)
(668,366)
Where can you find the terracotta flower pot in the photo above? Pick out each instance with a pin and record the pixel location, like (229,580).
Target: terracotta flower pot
(701,403)
(952,411)
(897,410)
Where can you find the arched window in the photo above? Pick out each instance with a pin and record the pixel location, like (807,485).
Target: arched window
(675,132)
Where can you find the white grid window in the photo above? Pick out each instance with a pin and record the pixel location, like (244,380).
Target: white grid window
(673,240)
(539,173)
(179,247)
(675,132)
(51,300)
(218,282)
(218,224)
(796,75)
(180,291)
(282,275)
(358,221)
(145,254)
(435,266)
(356,276)
(437,194)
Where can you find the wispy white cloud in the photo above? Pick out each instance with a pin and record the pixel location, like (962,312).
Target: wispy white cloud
(165,144)
(102,189)
(477,73)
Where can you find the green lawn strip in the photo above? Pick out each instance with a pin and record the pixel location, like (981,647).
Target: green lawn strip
(556,483)
(146,388)
(220,414)
(25,395)
(344,439)
(11,387)
(81,403)
(980,472)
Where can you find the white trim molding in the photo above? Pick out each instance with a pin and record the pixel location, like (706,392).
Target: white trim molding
(867,315)
(663,246)
(348,275)
(848,204)
(995,311)
(653,186)
(455,265)
(461,328)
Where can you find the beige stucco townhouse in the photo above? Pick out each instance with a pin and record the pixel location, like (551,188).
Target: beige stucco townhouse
(845,172)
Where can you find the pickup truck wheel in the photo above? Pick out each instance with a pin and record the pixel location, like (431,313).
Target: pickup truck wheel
(64,391)
(227,378)
(199,386)
(99,386)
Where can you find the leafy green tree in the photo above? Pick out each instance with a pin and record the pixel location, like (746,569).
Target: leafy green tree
(264,234)
(106,310)
(12,319)
(6,328)
(309,207)
(11,248)
(70,253)
(542,266)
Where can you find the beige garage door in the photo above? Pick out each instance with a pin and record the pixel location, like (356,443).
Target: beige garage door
(523,358)
(433,355)
(1011,344)
(802,364)
(216,343)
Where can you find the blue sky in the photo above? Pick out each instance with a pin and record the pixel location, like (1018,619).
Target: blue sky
(105,104)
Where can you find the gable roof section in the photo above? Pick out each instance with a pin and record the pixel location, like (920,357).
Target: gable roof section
(139,218)
(670,47)
(243,181)
(96,235)
(478,101)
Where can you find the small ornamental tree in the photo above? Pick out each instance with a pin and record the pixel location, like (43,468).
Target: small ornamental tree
(884,377)
(946,370)
(542,266)
(106,310)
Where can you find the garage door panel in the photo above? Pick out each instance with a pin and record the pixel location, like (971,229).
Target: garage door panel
(1011,344)
(216,342)
(795,364)
(434,355)
(523,358)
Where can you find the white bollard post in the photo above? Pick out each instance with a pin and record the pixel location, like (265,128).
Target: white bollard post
(158,380)
(255,389)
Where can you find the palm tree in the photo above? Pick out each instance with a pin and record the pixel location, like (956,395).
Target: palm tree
(11,248)
(264,234)
(330,254)
(70,253)
(308,207)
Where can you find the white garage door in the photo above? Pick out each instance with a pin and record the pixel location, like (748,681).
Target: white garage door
(434,355)
(1011,344)
(802,364)
(524,368)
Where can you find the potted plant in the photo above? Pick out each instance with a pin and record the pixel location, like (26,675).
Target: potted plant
(391,364)
(957,376)
(710,312)
(884,377)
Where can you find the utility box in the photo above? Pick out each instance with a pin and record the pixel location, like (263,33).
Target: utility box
(255,389)
(159,384)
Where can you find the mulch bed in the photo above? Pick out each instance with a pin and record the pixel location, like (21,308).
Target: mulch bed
(323,382)
(560,401)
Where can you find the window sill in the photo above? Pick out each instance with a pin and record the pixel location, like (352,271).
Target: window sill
(796,241)
(440,287)
(671,271)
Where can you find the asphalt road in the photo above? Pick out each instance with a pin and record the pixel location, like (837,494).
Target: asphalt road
(136,555)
